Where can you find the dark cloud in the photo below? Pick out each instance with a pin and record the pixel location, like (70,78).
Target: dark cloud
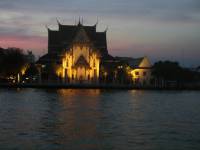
(153,9)
(11,31)
(154,21)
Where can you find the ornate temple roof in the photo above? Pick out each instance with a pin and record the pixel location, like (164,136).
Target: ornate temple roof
(63,37)
(47,58)
(132,62)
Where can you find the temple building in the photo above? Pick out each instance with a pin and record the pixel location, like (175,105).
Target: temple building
(79,54)
(74,53)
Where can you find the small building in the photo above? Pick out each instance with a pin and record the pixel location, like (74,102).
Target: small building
(139,69)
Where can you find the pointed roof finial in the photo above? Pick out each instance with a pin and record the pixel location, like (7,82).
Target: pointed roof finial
(97,22)
(58,21)
(47,27)
(106,29)
(79,21)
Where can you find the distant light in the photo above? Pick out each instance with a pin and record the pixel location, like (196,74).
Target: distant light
(120,67)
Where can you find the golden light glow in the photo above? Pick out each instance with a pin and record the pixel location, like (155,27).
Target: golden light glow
(142,74)
(105,74)
(136,73)
(23,70)
(59,72)
(87,73)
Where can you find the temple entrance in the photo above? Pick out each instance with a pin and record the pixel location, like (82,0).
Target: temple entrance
(81,74)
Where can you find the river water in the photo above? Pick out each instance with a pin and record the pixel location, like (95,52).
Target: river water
(34,119)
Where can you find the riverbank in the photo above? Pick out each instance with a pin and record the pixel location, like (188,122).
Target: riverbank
(94,86)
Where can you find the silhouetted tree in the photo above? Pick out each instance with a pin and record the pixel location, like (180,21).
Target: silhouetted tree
(190,76)
(12,61)
(165,72)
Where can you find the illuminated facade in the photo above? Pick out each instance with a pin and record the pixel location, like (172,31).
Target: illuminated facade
(141,71)
(129,70)
(80,64)
(74,54)
(79,54)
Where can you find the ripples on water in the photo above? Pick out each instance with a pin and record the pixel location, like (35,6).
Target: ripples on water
(99,119)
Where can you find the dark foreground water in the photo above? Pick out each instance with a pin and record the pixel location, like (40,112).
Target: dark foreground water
(99,120)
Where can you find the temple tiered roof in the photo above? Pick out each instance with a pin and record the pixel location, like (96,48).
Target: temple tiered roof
(63,37)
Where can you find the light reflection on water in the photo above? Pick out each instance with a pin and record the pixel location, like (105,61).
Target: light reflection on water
(99,119)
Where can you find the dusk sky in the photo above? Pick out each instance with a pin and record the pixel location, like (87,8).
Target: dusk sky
(159,29)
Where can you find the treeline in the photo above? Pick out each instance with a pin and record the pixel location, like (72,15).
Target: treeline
(13,63)
(168,73)
(12,60)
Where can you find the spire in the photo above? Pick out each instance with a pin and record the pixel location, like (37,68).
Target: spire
(79,21)
(58,21)
(47,28)
(96,22)
(106,29)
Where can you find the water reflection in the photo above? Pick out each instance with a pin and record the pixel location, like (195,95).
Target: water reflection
(76,92)
(98,119)
(80,118)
